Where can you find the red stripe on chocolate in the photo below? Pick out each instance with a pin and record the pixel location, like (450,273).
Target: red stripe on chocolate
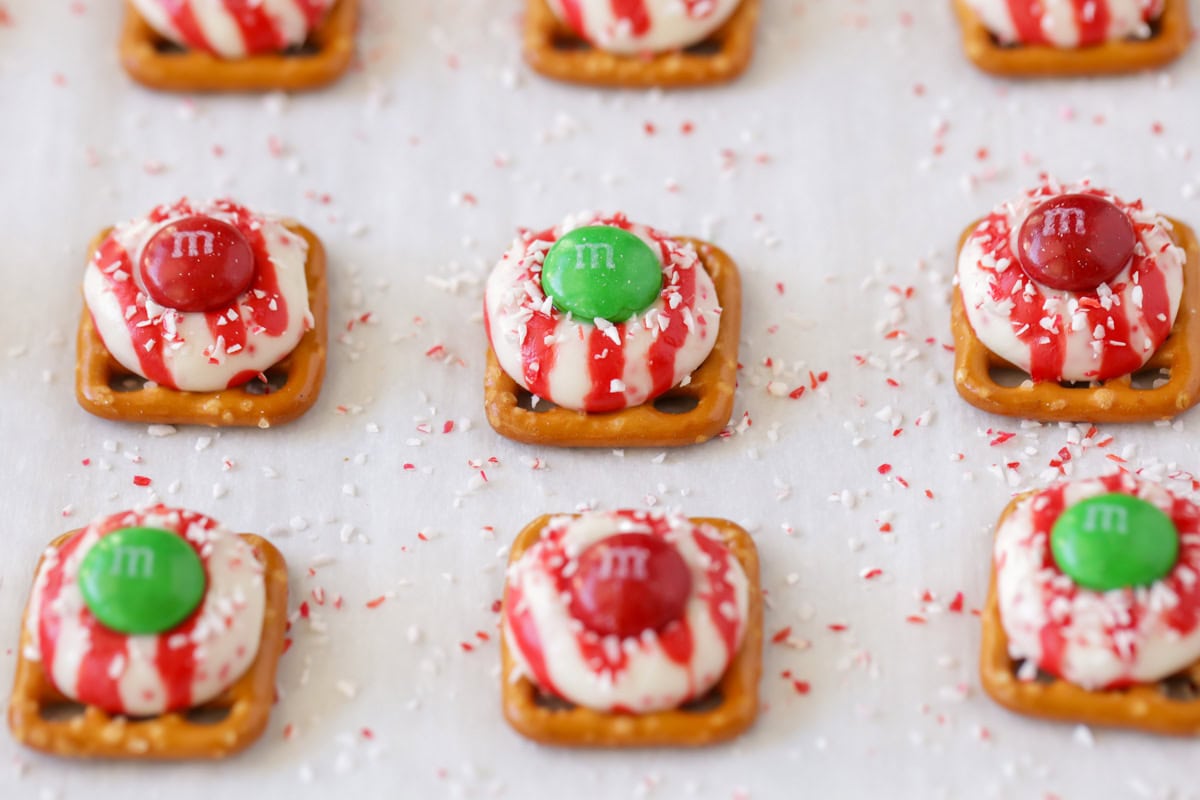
(146,334)
(633,12)
(721,598)
(183,19)
(606,363)
(268,308)
(573,13)
(1047,346)
(49,622)
(313,10)
(669,340)
(1027,17)
(1093,18)
(260,32)
(528,641)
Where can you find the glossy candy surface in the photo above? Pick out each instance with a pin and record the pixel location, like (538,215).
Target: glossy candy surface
(1076,242)
(628,584)
(602,272)
(197,264)
(1114,541)
(142,580)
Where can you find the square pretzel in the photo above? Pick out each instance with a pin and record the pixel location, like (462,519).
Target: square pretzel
(1171,37)
(223,726)
(557,52)
(154,62)
(107,389)
(684,415)
(729,711)
(1147,707)
(1115,400)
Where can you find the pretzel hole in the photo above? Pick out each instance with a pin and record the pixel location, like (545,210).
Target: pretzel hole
(703,705)
(306,50)
(551,702)
(709,47)
(1180,688)
(525,402)
(165,47)
(124,382)
(208,715)
(681,403)
(61,711)
(1024,669)
(1008,377)
(276,379)
(568,43)
(1150,378)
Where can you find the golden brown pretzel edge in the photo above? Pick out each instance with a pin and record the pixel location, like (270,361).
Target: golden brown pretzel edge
(193,71)
(581,727)
(1113,401)
(713,384)
(236,407)
(665,70)
(1040,61)
(168,737)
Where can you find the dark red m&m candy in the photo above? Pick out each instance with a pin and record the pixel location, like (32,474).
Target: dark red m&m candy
(1076,242)
(197,263)
(628,584)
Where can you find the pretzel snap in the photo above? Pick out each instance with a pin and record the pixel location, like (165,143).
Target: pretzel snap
(557,52)
(1169,707)
(152,61)
(728,711)
(685,415)
(107,389)
(1171,38)
(41,718)
(1116,400)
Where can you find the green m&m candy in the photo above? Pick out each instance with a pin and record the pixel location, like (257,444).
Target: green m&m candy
(1114,541)
(602,272)
(142,580)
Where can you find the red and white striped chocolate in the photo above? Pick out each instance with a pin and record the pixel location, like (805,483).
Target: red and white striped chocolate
(234,28)
(201,350)
(1096,640)
(144,675)
(651,672)
(630,27)
(1067,23)
(594,365)
(1058,334)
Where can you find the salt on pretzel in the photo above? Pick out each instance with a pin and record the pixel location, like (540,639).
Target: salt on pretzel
(1116,400)
(1147,707)
(728,711)
(154,62)
(655,423)
(107,389)
(557,52)
(1171,38)
(38,713)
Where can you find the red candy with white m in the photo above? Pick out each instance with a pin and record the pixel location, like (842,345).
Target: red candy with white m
(628,584)
(197,263)
(1075,242)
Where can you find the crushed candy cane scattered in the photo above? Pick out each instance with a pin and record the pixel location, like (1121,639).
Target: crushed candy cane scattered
(397,506)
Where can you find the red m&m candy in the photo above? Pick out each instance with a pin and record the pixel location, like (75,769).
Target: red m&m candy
(1076,242)
(628,584)
(197,264)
